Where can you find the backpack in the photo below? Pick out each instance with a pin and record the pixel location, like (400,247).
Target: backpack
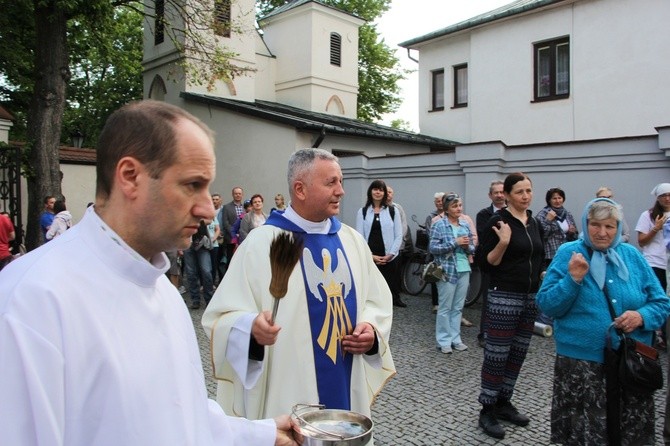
(390,208)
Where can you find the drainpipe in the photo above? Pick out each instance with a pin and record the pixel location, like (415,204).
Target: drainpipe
(321,137)
(409,56)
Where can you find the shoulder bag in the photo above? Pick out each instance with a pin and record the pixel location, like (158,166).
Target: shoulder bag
(638,366)
(432,272)
(632,368)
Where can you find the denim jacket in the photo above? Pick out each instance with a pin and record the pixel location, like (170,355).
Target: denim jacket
(443,246)
(391,228)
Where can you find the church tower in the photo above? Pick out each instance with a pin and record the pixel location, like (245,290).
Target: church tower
(228,25)
(305,56)
(316,47)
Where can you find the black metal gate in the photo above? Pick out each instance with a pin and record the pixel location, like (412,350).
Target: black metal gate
(10,190)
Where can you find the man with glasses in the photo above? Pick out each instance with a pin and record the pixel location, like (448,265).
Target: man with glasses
(606,192)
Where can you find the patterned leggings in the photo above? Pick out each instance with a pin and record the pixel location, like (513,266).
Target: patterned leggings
(510,319)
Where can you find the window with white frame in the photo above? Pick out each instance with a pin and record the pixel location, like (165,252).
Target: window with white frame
(461,85)
(437,90)
(552,69)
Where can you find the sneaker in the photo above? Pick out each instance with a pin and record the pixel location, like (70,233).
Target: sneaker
(465,322)
(490,424)
(434,309)
(506,411)
(446,350)
(460,347)
(182,289)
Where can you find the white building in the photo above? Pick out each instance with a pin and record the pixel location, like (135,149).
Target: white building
(540,71)
(301,91)
(572,92)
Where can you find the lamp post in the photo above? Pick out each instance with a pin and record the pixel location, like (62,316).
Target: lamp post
(77,139)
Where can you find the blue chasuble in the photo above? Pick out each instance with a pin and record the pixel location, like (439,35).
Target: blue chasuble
(331,300)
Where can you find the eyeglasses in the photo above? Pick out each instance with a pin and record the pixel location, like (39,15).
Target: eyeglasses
(451,197)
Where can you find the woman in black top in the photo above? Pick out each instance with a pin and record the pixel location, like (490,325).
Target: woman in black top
(382,228)
(512,253)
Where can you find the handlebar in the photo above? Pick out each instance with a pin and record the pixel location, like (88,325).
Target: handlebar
(414,219)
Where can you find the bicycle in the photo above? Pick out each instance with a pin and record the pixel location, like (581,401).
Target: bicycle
(413,284)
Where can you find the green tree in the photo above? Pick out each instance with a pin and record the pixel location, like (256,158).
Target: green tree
(86,46)
(378,72)
(106,73)
(401,124)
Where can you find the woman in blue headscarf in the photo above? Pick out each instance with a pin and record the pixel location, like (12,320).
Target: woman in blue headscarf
(572,293)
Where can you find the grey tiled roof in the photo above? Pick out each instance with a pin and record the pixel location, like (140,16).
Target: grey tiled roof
(317,122)
(511,9)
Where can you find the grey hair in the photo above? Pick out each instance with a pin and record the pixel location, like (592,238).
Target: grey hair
(604,209)
(438,195)
(495,183)
(605,189)
(301,163)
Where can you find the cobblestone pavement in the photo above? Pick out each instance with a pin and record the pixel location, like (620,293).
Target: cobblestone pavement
(433,398)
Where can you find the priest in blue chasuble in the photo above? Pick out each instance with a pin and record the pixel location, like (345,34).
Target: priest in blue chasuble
(328,343)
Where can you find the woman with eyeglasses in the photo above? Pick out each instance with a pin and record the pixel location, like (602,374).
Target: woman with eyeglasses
(512,254)
(451,243)
(382,228)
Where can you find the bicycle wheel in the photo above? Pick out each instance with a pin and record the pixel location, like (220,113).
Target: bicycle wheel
(475,288)
(412,282)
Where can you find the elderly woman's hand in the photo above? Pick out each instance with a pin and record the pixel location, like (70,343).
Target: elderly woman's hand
(578,267)
(629,321)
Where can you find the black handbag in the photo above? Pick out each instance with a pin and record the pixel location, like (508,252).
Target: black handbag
(639,370)
(632,368)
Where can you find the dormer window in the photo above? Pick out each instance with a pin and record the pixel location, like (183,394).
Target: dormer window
(222,18)
(335,49)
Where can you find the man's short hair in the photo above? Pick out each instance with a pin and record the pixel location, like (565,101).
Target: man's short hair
(495,183)
(301,162)
(47,198)
(143,130)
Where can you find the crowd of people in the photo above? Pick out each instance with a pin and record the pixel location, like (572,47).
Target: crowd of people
(88,360)
(198,269)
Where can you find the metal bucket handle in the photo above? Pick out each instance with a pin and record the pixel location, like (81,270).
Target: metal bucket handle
(298,407)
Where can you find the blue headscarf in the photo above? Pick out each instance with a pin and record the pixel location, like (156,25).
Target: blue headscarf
(598,265)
